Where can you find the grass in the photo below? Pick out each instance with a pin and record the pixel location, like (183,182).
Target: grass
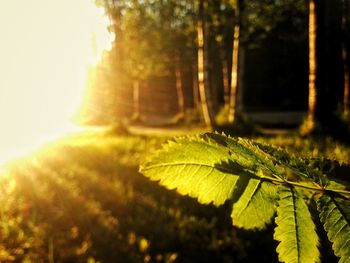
(81,199)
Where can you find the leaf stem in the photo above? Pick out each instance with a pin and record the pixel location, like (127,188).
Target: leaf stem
(296,184)
(339,191)
(284,181)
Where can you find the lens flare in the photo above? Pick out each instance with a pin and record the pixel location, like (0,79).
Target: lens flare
(46,49)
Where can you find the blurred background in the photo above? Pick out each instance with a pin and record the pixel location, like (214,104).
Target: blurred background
(184,60)
(133,74)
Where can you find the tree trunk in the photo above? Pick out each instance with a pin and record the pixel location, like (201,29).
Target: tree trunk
(232,113)
(310,119)
(234,75)
(179,89)
(136,99)
(202,83)
(326,69)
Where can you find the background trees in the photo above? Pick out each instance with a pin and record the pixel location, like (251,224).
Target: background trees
(328,80)
(158,45)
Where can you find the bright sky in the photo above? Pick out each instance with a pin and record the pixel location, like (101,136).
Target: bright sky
(45,49)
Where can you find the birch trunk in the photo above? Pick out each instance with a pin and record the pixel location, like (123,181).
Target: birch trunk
(234,73)
(201,68)
(310,119)
(233,103)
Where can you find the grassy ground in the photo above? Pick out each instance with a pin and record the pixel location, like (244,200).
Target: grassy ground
(82,200)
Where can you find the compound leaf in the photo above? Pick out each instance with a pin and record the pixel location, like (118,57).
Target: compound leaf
(295,229)
(215,168)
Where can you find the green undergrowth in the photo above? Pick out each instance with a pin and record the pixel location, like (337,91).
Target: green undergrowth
(319,147)
(82,199)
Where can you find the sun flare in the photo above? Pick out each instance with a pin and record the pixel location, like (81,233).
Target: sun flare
(46,49)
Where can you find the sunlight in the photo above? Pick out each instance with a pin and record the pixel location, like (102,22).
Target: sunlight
(46,48)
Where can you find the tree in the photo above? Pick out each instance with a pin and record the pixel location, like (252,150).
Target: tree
(261,21)
(178,34)
(326,67)
(143,42)
(234,70)
(202,67)
(155,40)
(310,119)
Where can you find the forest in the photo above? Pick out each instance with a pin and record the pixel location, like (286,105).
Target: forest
(211,55)
(210,131)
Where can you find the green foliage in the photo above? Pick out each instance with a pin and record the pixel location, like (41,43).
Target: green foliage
(204,174)
(335,216)
(260,180)
(152,33)
(255,208)
(266,16)
(295,228)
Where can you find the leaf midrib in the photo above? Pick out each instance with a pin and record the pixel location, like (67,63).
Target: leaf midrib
(296,224)
(213,166)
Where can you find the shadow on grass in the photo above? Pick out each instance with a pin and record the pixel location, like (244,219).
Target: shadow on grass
(86,201)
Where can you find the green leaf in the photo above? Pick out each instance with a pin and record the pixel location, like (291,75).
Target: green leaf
(295,168)
(216,168)
(256,206)
(194,167)
(295,229)
(247,154)
(335,216)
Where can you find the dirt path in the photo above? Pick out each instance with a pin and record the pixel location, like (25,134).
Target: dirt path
(164,130)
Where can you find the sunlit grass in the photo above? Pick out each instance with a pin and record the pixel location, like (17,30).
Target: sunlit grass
(82,197)
(312,147)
